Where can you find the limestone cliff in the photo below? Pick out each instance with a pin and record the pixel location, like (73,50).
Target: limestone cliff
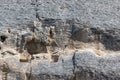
(59,40)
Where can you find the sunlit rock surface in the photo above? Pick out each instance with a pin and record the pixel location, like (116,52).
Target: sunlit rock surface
(59,40)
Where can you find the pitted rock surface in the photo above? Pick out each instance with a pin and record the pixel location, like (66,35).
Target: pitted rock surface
(59,39)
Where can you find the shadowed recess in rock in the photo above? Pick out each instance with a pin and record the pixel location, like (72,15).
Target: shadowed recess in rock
(35,46)
(3,38)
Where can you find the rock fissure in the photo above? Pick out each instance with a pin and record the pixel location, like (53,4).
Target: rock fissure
(29,75)
(74,67)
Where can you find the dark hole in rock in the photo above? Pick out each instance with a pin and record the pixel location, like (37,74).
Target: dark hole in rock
(54,58)
(3,38)
(36,46)
(51,33)
(9,31)
(37,57)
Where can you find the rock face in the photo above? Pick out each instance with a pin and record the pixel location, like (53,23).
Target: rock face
(59,39)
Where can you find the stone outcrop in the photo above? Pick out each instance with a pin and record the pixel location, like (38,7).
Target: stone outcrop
(59,40)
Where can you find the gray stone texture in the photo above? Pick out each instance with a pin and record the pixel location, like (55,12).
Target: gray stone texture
(70,19)
(98,13)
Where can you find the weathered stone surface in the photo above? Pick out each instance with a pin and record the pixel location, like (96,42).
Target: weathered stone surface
(97,13)
(38,69)
(84,65)
(91,67)
(60,39)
